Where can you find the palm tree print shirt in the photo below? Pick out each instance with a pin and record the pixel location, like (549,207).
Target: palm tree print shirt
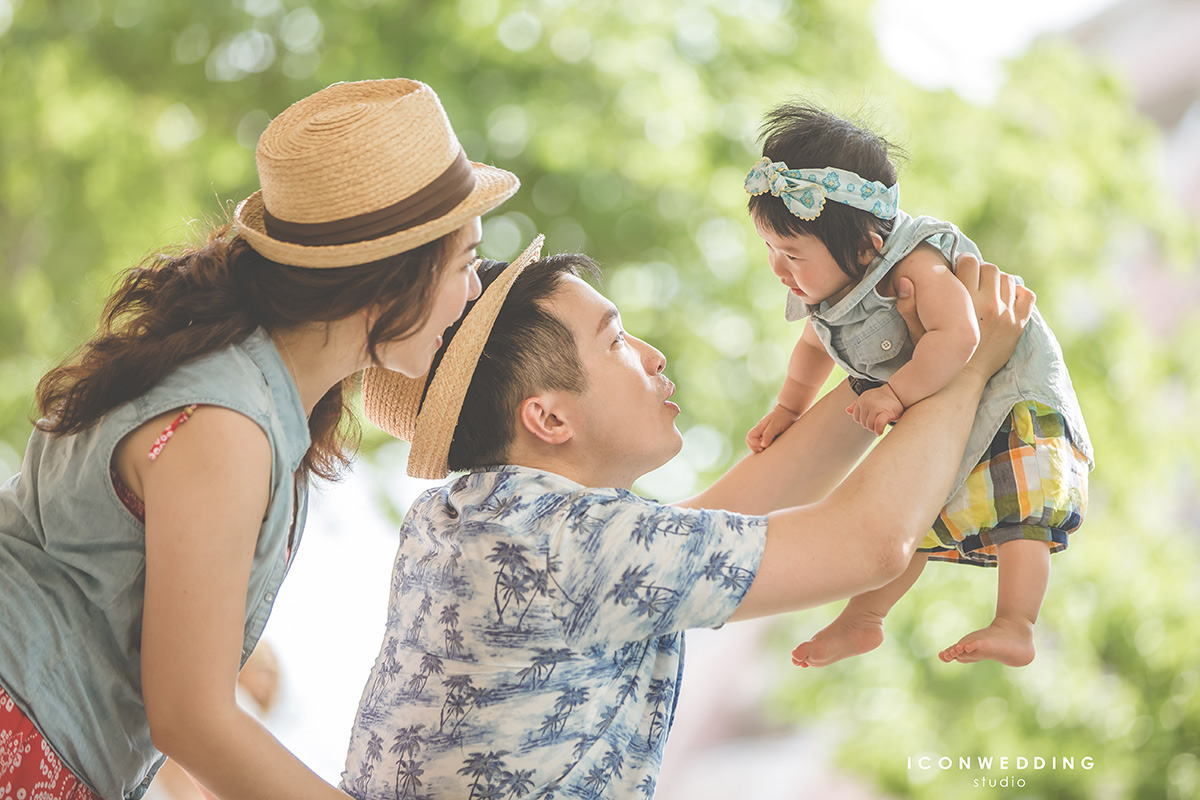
(534,642)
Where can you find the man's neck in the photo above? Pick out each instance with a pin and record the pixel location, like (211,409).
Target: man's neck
(561,461)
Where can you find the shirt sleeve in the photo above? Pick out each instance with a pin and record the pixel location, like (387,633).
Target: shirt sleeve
(626,568)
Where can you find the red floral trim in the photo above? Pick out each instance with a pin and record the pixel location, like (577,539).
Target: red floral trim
(29,767)
(166,435)
(128,499)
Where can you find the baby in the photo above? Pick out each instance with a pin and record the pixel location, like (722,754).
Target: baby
(824,199)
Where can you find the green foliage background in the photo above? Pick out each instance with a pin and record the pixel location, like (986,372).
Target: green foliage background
(631,124)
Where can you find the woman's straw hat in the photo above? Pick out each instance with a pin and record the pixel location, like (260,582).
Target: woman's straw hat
(362,171)
(394,402)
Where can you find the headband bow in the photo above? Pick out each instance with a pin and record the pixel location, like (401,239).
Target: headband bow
(804,191)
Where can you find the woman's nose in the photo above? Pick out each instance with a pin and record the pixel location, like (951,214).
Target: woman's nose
(474,286)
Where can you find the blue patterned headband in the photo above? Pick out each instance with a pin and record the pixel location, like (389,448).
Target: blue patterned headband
(804,191)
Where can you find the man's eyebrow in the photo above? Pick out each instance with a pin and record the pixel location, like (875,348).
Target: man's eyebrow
(611,314)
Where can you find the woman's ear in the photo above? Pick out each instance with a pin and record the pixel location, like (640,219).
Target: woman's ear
(545,417)
(870,248)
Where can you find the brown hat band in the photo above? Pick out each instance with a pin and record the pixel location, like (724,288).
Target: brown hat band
(433,200)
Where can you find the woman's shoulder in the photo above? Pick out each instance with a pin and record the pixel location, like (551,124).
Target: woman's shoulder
(238,376)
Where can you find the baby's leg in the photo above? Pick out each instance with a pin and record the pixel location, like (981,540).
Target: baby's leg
(1024,572)
(859,628)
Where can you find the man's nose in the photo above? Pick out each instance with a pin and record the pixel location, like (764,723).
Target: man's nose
(653,360)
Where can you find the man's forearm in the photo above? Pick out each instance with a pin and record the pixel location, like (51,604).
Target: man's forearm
(802,466)
(903,483)
(865,532)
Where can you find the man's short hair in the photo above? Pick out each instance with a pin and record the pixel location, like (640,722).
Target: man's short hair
(529,350)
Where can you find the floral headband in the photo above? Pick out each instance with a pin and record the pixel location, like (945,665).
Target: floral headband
(804,191)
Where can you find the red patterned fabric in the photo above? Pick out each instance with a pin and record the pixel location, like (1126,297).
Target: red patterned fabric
(29,768)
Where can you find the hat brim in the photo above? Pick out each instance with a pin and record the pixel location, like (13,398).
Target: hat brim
(393,401)
(492,187)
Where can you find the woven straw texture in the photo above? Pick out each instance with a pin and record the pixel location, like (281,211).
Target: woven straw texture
(391,400)
(353,149)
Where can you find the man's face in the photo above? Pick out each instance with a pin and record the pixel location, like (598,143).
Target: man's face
(623,424)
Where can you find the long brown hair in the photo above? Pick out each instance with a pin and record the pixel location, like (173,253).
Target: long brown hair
(175,307)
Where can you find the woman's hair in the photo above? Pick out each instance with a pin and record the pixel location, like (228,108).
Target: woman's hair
(173,308)
(529,350)
(806,137)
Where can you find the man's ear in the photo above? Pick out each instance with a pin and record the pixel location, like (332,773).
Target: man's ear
(544,417)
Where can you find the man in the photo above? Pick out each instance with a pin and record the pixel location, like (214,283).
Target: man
(534,641)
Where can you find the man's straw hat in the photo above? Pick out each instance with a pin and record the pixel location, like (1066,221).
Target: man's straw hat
(362,171)
(394,402)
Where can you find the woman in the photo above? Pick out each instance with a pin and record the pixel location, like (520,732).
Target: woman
(163,492)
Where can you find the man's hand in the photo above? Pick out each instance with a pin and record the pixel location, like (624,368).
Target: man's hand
(875,408)
(777,420)
(1002,307)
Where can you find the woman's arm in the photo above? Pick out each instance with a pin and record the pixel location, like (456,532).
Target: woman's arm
(866,531)
(205,498)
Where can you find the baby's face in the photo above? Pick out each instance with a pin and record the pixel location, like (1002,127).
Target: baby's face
(805,265)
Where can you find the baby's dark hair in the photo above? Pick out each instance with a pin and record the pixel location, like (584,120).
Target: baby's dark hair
(805,137)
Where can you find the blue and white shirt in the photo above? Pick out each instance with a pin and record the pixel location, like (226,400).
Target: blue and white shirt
(534,642)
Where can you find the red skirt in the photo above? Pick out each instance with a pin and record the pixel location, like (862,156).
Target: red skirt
(29,767)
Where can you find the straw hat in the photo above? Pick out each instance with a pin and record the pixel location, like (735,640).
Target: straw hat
(362,171)
(393,401)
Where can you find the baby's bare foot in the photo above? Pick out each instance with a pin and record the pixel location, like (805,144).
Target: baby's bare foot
(1008,641)
(849,635)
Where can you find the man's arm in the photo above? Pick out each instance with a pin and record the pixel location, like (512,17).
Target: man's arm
(802,466)
(864,534)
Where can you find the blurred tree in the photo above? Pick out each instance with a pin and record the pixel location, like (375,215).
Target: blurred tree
(631,124)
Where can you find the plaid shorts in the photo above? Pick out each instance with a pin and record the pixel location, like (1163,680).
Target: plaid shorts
(1031,484)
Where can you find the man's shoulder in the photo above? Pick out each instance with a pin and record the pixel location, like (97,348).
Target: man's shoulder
(515,494)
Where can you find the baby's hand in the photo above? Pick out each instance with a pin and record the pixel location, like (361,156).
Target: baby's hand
(778,420)
(875,408)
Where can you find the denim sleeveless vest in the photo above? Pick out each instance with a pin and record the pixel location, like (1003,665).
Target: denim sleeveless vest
(867,337)
(72,564)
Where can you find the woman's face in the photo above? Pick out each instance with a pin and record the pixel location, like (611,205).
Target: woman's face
(459,284)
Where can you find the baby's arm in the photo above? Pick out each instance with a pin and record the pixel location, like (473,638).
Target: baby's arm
(951,334)
(807,371)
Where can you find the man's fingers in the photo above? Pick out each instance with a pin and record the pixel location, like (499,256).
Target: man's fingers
(1022,304)
(966,266)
